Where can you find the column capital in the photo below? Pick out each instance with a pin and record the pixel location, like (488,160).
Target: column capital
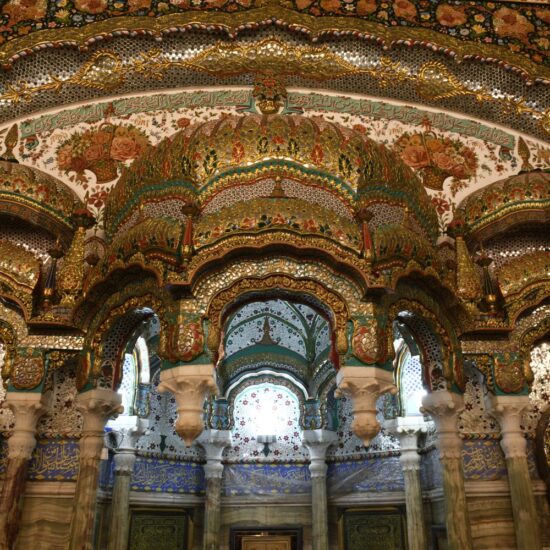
(444,408)
(190,385)
(365,385)
(407,430)
(126,430)
(96,406)
(317,442)
(508,409)
(27,408)
(214,442)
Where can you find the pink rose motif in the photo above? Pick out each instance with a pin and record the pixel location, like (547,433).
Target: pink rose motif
(183,122)
(415,156)
(444,162)
(508,22)
(124,148)
(450,16)
(91,6)
(331,6)
(404,9)
(94,152)
(65,157)
(366,7)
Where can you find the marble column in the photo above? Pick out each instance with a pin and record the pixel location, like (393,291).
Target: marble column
(96,406)
(508,409)
(27,408)
(407,429)
(214,442)
(127,430)
(444,407)
(317,442)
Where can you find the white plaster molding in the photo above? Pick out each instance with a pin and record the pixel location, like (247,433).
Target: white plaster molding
(317,443)
(126,432)
(190,385)
(365,385)
(214,443)
(407,429)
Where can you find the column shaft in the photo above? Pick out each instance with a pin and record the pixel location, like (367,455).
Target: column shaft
(120,512)
(444,408)
(214,442)
(212,513)
(127,431)
(27,409)
(97,406)
(456,508)
(523,504)
(415,510)
(507,409)
(319,513)
(11,501)
(317,443)
(85,501)
(406,429)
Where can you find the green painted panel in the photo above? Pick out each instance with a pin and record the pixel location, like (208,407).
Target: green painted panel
(161,531)
(366,530)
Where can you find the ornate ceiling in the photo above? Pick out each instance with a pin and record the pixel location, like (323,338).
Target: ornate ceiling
(458,90)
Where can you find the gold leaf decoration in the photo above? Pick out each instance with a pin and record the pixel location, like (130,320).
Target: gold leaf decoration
(435,81)
(101,72)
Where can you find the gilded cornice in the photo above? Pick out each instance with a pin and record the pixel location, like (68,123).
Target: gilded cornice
(522,198)
(523,271)
(37,197)
(273,13)
(277,214)
(19,273)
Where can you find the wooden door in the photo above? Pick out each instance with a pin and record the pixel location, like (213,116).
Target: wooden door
(266,542)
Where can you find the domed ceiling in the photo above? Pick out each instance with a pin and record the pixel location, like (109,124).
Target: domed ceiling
(382,72)
(275,334)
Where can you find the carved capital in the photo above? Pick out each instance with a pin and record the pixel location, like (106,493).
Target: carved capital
(214,443)
(407,430)
(126,430)
(190,385)
(27,408)
(364,385)
(508,409)
(444,408)
(317,443)
(96,406)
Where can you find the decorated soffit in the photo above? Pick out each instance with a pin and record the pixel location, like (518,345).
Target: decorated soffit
(88,146)
(514,34)
(275,326)
(342,64)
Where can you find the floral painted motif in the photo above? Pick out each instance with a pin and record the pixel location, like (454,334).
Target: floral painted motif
(517,27)
(437,158)
(101,151)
